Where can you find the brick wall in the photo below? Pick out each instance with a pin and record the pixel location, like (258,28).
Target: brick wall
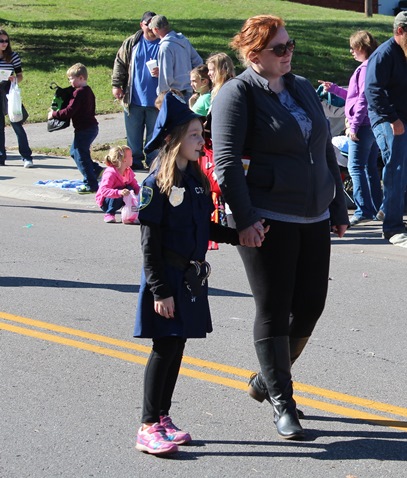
(354,5)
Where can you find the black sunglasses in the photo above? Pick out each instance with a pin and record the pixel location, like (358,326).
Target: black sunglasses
(4,41)
(281,49)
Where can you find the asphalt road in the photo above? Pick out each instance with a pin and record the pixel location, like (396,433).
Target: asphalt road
(71,387)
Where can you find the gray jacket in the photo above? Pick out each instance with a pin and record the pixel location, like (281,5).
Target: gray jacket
(286,175)
(176,58)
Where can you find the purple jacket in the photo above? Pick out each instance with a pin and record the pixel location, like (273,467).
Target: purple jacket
(356,103)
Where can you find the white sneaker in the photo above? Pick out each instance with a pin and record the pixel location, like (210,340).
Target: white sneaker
(28,163)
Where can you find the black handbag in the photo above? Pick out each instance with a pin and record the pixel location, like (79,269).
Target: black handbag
(61,98)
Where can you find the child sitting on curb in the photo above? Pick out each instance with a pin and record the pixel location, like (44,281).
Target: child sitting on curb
(117,181)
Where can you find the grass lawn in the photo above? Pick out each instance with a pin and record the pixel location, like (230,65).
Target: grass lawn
(51,35)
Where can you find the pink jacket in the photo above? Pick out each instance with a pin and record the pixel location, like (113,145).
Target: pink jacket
(112,182)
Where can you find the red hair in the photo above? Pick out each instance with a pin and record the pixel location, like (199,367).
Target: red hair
(255,35)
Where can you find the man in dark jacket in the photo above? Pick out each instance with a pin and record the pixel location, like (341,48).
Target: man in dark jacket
(386,93)
(136,86)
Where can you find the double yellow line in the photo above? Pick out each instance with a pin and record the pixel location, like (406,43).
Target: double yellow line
(221,373)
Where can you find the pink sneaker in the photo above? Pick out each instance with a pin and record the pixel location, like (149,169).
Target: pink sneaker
(174,434)
(153,440)
(109,218)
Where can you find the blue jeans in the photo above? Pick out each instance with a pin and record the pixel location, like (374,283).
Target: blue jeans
(362,167)
(80,152)
(23,147)
(394,154)
(112,205)
(137,120)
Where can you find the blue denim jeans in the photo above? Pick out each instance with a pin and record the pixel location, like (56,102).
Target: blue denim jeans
(80,152)
(139,120)
(112,205)
(394,154)
(23,147)
(362,167)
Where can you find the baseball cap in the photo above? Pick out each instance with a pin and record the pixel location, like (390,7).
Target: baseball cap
(400,19)
(147,16)
(159,21)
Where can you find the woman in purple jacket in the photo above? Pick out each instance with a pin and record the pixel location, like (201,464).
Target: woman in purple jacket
(363,150)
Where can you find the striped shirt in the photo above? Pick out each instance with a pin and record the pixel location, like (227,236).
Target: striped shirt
(14,66)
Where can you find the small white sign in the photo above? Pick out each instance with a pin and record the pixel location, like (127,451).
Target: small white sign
(4,75)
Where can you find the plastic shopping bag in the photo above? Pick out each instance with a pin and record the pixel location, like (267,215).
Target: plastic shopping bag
(15,106)
(130,209)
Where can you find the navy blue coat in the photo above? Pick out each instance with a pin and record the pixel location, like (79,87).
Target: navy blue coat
(183,229)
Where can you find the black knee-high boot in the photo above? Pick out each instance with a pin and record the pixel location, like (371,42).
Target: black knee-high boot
(257,387)
(274,357)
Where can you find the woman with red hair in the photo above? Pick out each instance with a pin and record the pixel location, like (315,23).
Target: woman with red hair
(284,207)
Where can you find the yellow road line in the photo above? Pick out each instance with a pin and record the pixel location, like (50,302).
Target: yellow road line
(336,396)
(121,343)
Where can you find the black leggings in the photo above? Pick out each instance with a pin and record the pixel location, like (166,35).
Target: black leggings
(289,274)
(160,377)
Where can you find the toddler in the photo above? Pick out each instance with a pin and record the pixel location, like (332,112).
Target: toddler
(117,181)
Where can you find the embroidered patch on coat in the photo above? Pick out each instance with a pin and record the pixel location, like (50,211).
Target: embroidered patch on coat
(145,197)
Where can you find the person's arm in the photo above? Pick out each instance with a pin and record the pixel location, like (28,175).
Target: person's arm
(229,126)
(334,89)
(360,107)
(121,64)
(338,91)
(107,187)
(166,70)
(154,265)
(73,107)
(223,234)
(378,77)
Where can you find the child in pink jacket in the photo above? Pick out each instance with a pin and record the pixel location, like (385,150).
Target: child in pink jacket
(117,181)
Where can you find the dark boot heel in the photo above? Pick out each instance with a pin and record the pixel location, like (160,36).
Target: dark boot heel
(255,390)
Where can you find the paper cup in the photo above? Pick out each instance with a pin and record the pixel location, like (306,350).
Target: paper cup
(151,64)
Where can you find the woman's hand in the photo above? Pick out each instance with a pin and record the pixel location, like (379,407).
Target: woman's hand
(352,136)
(326,84)
(339,230)
(124,192)
(254,235)
(165,307)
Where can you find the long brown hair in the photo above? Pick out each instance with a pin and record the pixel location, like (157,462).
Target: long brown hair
(224,69)
(168,174)
(8,51)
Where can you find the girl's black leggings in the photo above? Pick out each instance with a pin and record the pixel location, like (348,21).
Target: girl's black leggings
(289,274)
(160,377)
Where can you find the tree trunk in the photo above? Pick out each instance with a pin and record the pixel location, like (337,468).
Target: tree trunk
(368,8)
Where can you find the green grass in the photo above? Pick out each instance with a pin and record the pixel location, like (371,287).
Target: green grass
(51,35)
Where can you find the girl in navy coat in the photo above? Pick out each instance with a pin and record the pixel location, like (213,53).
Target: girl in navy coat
(175,210)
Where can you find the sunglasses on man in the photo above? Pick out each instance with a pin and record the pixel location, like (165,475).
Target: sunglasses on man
(281,49)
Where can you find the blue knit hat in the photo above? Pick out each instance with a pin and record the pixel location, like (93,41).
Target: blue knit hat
(174,111)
